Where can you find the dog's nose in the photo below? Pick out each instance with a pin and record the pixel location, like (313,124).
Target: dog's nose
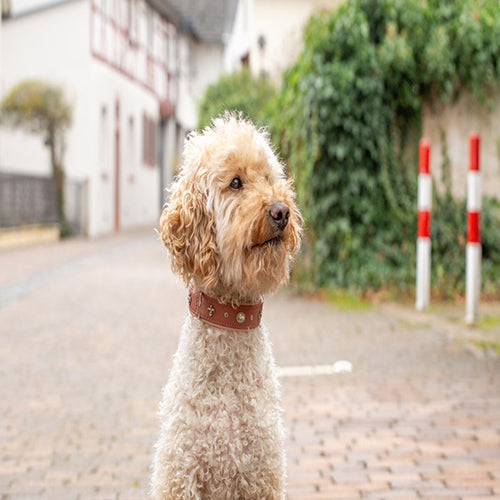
(280,214)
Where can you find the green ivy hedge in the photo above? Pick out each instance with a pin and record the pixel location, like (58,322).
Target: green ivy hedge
(348,125)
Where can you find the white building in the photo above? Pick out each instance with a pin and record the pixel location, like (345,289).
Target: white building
(215,39)
(277,33)
(134,71)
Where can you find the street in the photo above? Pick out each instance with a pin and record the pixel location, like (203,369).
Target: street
(87,334)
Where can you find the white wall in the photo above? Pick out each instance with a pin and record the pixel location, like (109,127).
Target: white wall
(139,197)
(458,121)
(60,56)
(281,22)
(238,42)
(201,65)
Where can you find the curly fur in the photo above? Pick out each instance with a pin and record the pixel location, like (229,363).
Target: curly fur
(221,430)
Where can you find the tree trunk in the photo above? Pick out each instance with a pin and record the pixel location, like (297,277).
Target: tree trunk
(58,175)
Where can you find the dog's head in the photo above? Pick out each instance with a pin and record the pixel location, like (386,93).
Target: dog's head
(231,224)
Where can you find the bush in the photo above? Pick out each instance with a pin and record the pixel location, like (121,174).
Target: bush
(238,91)
(348,119)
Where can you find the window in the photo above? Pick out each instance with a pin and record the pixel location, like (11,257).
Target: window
(149,30)
(148,141)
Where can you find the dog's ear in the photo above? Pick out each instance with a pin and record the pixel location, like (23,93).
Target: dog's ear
(187,229)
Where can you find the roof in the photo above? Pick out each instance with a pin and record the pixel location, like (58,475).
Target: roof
(36,7)
(208,20)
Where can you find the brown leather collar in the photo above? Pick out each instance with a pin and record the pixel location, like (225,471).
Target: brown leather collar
(213,312)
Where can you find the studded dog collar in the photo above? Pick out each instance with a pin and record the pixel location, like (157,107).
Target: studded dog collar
(213,312)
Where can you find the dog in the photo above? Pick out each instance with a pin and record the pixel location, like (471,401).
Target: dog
(232,229)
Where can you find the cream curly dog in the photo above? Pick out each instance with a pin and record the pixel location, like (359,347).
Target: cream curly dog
(232,229)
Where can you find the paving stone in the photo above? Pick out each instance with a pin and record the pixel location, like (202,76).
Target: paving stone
(87,334)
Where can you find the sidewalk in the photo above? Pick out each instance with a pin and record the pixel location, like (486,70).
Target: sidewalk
(418,417)
(87,334)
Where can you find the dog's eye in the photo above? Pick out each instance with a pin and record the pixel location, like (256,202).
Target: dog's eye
(236,184)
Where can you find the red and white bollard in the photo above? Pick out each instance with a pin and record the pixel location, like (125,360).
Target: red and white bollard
(473,250)
(424,227)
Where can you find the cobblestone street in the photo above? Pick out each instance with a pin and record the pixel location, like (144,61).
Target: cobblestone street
(87,333)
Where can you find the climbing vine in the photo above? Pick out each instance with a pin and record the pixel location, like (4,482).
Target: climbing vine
(348,119)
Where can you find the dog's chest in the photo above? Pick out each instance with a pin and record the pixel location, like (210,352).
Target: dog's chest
(226,366)
(222,419)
